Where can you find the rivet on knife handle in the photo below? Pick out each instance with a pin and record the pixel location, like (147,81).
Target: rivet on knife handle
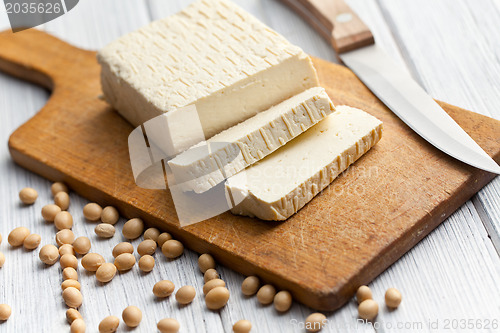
(335,21)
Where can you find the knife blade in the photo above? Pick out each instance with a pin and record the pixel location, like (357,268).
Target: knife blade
(355,46)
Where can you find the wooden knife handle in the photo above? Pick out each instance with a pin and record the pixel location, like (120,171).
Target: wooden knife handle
(335,21)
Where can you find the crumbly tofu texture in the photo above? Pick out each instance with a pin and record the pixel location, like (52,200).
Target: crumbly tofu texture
(283,182)
(212,54)
(234,149)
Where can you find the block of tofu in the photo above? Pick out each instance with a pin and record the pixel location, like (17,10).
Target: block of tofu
(212,54)
(283,182)
(234,149)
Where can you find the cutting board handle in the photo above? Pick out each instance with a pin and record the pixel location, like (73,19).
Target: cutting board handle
(35,56)
(335,21)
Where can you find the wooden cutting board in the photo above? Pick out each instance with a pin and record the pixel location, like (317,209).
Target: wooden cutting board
(364,221)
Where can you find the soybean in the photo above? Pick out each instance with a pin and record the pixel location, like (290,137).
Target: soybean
(62,200)
(69,273)
(266,294)
(393,298)
(32,241)
(315,322)
(123,247)
(2,259)
(212,284)
(82,245)
(49,254)
(65,236)
(63,220)
(363,293)
(92,261)
(92,211)
(17,236)
(78,326)
(282,301)
(172,248)
(133,228)
(50,211)
(68,260)
(152,233)
(72,297)
(368,309)
(105,230)
(132,316)
(210,274)
(106,272)
(217,298)
(250,286)
(28,195)
(147,246)
(206,261)
(66,249)
(5,311)
(124,262)
(58,187)
(163,238)
(70,283)
(185,295)
(110,215)
(242,326)
(109,324)
(146,263)
(168,325)
(163,288)
(72,315)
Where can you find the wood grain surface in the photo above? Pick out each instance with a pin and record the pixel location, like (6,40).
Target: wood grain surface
(376,211)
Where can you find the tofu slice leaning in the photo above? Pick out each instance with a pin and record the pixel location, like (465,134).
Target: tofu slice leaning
(283,182)
(227,153)
(213,55)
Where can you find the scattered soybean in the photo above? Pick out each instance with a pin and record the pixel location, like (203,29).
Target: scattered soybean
(132,316)
(28,195)
(172,249)
(92,211)
(17,236)
(163,288)
(50,211)
(110,215)
(250,285)
(185,295)
(123,247)
(63,220)
(32,241)
(62,200)
(49,254)
(133,228)
(92,261)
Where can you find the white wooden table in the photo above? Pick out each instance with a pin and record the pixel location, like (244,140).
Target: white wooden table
(452,47)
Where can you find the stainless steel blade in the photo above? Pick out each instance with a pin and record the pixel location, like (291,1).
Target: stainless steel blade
(398,91)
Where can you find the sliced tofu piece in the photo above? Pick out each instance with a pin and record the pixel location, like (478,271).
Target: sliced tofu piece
(283,182)
(213,55)
(234,149)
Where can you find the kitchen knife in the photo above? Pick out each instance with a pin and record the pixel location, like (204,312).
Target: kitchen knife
(355,46)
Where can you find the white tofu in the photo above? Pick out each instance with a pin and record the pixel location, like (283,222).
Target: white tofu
(234,149)
(213,55)
(283,182)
